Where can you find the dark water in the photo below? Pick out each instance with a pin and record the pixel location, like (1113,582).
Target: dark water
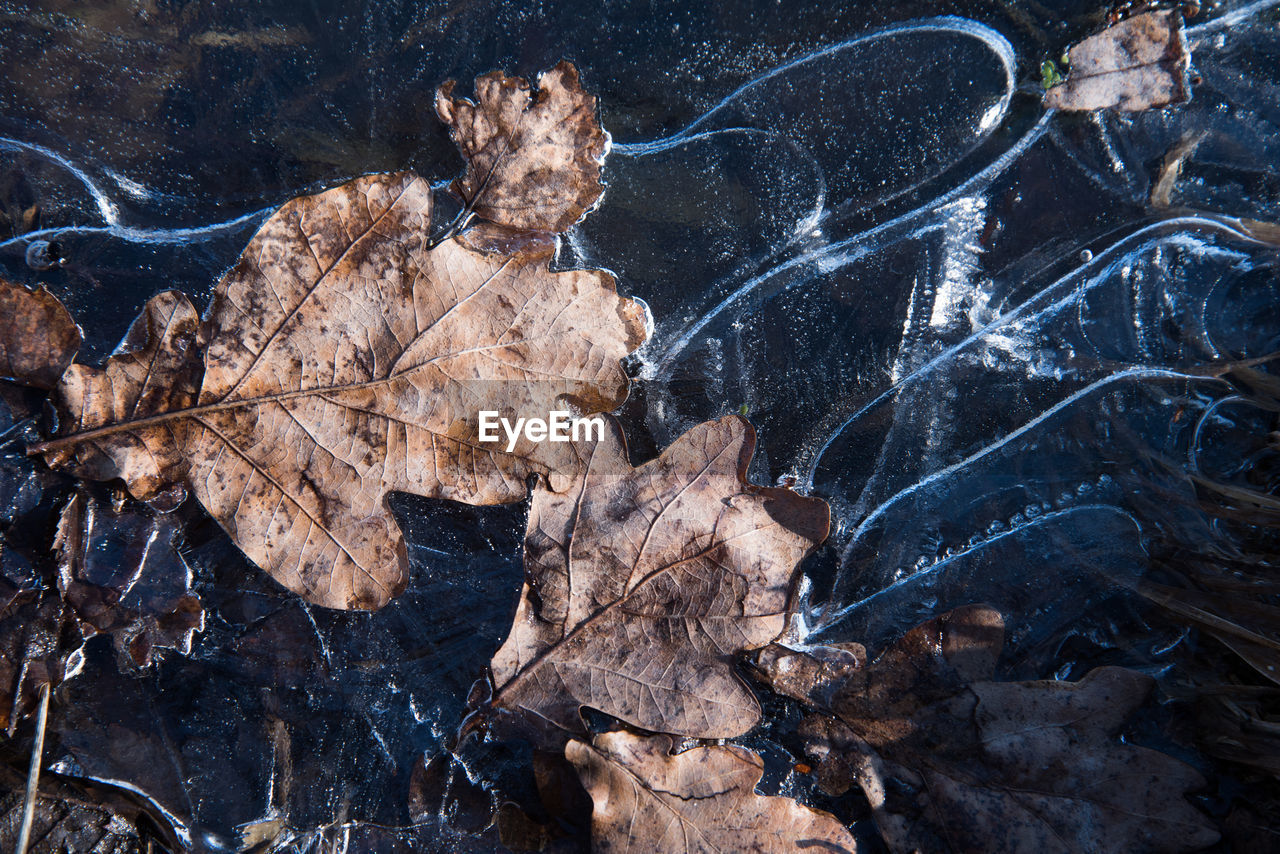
(953,316)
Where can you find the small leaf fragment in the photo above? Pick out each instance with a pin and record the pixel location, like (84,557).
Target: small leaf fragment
(38,339)
(1139,64)
(60,825)
(643,584)
(533,162)
(700,800)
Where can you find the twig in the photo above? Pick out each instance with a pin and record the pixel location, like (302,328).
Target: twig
(33,773)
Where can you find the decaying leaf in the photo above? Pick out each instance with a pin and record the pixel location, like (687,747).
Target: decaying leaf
(954,763)
(83,816)
(701,800)
(533,162)
(60,826)
(122,576)
(347,360)
(39,643)
(643,585)
(155,370)
(1138,64)
(38,337)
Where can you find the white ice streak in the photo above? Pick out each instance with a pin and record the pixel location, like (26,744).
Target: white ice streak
(1231,19)
(1061,294)
(852,248)
(999,45)
(827,620)
(110,212)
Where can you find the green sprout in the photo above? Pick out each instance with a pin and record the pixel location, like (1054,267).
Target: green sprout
(1050,76)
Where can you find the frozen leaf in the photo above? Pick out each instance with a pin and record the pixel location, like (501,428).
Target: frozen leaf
(83,816)
(156,369)
(122,576)
(643,584)
(347,360)
(701,800)
(39,643)
(951,762)
(1139,64)
(533,162)
(60,825)
(38,339)
(439,789)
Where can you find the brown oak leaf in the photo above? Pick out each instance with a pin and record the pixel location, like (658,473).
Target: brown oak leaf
(38,338)
(700,800)
(644,583)
(155,369)
(1138,64)
(533,162)
(951,762)
(347,359)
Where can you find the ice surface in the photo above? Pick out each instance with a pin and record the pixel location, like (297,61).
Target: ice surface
(955,317)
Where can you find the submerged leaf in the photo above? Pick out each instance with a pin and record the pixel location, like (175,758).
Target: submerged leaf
(1139,64)
(701,800)
(643,585)
(532,162)
(954,763)
(346,360)
(39,643)
(65,825)
(122,576)
(38,338)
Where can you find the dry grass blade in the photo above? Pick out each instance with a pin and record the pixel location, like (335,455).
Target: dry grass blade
(33,774)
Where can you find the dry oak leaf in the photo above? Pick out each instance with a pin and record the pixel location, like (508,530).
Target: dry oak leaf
(533,162)
(155,369)
(953,763)
(643,584)
(701,800)
(39,337)
(345,360)
(1138,64)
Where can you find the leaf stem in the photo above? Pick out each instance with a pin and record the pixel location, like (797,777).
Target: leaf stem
(461,221)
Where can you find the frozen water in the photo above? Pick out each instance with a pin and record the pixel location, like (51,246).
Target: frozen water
(958,319)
